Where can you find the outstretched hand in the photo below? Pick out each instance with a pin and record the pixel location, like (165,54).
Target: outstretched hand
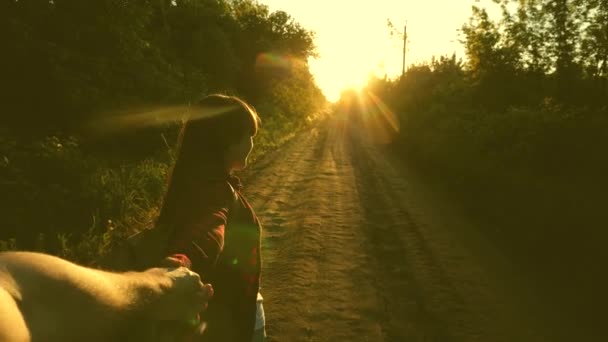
(81,303)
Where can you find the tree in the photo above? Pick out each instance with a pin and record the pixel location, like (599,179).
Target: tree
(562,37)
(491,63)
(263,32)
(595,40)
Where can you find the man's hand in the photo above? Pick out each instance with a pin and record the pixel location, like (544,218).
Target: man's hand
(184,295)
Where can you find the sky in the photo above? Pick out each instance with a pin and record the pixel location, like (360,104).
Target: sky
(353,39)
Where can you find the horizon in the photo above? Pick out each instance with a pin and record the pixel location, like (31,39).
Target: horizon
(349,45)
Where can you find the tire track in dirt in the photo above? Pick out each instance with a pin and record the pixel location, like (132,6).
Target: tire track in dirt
(350,256)
(434,309)
(458,298)
(317,282)
(407,315)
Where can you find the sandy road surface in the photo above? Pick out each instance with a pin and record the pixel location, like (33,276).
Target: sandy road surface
(356,249)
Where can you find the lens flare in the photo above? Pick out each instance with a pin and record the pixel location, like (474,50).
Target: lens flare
(269,61)
(371,116)
(143,117)
(386,113)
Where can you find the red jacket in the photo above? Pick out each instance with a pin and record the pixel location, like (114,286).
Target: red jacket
(220,233)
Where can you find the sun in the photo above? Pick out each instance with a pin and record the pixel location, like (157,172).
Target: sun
(336,77)
(355,83)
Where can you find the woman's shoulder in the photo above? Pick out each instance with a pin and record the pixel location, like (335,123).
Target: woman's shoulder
(218,193)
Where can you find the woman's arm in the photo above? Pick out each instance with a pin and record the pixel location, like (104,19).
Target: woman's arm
(202,240)
(201,234)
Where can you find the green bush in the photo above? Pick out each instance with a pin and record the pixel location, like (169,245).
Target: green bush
(58,200)
(533,173)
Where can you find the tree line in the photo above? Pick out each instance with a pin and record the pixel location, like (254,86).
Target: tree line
(66,64)
(518,131)
(65,60)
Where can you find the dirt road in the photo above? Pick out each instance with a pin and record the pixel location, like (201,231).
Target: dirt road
(356,248)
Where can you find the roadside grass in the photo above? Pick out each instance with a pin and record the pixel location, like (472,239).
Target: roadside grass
(61,200)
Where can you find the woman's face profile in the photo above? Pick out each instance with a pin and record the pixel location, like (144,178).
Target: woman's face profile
(238,153)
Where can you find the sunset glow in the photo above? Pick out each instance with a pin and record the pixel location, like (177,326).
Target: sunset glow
(353,39)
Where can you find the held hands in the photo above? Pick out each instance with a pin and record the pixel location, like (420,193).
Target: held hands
(185,295)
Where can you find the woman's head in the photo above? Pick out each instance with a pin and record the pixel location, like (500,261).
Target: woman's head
(215,141)
(220,138)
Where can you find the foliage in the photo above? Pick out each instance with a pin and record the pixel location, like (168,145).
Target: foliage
(67,63)
(519,128)
(53,195)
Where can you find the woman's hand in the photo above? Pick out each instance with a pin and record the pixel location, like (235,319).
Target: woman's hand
(176,260)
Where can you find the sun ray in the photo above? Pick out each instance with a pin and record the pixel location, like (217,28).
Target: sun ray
(370,115)
(142,117)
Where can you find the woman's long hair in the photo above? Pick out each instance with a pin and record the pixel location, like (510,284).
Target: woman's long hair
(216,123)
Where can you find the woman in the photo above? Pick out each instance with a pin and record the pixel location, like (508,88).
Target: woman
(215,227)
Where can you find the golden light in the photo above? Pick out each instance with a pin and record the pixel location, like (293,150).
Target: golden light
(355,82)
(141,117)
(369,116)
(353,39)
